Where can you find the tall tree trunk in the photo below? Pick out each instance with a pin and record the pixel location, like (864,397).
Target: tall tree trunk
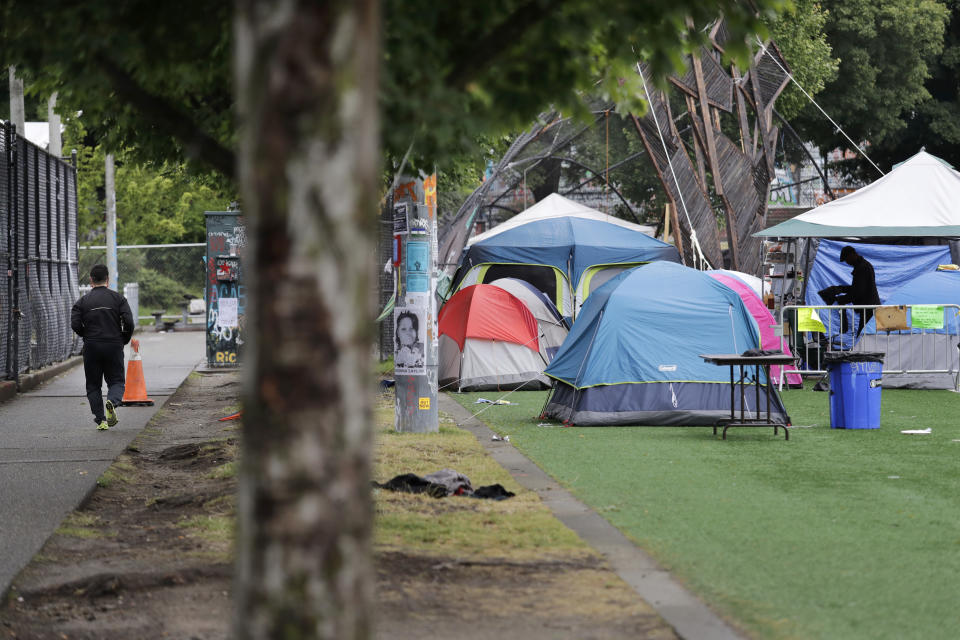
(306,85)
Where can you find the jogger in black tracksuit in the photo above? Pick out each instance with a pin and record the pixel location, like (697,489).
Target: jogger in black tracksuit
(103,319)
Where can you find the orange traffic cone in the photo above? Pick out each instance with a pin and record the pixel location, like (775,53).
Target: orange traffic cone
(135,393)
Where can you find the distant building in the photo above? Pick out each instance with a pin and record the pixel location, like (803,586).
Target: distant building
(800,185)
(39,133)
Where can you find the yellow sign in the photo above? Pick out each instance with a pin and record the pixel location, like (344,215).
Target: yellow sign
(424,404)
(808,320)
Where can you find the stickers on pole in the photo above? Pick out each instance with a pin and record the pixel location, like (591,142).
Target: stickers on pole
(424,404)
(926,316)
(410,332)
(400,218)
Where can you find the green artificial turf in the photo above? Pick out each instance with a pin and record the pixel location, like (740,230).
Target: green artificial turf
(833,534)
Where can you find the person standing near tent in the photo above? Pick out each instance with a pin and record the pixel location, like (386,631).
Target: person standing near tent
(103,319)
(863,288)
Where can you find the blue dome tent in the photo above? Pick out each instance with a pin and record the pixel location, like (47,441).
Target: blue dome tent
(633,356)
(561,247)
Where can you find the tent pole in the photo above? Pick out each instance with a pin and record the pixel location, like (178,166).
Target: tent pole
(806,269)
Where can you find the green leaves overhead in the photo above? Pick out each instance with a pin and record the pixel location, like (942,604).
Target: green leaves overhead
(154,78)
(886,52)
(800,36)
(454,70)
(150,77)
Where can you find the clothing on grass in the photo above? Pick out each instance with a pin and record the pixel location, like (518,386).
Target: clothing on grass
(440,484)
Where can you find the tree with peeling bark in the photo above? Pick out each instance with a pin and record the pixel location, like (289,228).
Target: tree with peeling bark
(307,81)
(307,87)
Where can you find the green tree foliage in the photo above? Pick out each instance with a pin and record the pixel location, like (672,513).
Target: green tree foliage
(799,33)
(154,78)
(157,202)
(455,70)
(935,123)
(165,279)
(165,204)
(885,50)
(150,77)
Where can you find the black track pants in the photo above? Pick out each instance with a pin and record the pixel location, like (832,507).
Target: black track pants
(103,361)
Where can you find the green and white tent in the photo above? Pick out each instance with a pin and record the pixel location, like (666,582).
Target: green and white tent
(918,198)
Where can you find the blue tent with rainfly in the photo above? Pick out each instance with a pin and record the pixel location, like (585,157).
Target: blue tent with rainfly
(926,355)
(633,356)
(561,247)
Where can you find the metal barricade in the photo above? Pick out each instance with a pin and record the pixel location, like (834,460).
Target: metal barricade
(918,357)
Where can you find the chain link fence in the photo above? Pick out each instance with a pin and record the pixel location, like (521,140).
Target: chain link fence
(167,278)
(38,240)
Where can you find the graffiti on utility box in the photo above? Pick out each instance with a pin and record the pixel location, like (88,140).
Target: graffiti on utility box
(225,289)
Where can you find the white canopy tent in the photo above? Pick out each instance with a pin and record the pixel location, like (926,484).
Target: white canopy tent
(918,198)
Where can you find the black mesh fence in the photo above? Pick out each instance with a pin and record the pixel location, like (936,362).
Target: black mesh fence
(38,250)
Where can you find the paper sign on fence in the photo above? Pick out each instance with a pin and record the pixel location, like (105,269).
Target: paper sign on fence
(926,316)
(808,320)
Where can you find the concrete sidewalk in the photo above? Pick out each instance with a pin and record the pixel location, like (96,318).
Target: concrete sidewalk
(51,453)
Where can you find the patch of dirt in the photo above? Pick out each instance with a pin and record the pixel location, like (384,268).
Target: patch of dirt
(144,557)
(433,597)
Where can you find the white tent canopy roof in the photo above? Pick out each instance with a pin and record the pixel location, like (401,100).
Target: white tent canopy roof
(919,197)
(556,206)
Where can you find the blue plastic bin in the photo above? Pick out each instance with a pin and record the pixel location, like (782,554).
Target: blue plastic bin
(855,388)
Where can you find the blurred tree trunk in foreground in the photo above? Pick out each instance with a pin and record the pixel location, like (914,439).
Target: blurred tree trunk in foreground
(306,77)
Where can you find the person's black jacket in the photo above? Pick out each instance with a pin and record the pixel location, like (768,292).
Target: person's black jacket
(102,315)
(863,289)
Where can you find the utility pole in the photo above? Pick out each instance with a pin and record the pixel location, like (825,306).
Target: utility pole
(416,355)
(111,221)
(17,110)
(55,148)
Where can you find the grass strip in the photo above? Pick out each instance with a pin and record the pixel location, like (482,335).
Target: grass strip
(520,528)
(834,534)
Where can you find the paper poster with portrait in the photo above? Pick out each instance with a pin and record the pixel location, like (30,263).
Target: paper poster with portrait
(410,329)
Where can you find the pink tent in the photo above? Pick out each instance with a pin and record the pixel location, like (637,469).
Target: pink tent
(765,321)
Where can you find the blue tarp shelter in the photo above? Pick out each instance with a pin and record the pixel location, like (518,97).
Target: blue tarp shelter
(894,265)
(633,356)
(923,358)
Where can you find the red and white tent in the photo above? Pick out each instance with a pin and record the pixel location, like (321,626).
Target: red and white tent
(489,340)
